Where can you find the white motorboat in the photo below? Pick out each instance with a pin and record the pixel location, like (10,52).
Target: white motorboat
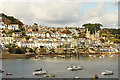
(63,56)
(90,55)
(73,68)
(39,72)
(1,71)
(108,72)
(55,57)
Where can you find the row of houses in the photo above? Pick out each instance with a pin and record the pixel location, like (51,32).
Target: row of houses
(9,27)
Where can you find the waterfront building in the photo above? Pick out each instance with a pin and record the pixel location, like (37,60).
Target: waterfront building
(7,40)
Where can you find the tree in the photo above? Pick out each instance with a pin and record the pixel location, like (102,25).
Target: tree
(31,50)
(11,50)
(7,45)
(19,51)
(13,45)
(16,50)
(22,28)
(93,27)
(27,37)
(23,33)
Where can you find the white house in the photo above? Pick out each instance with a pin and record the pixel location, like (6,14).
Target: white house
(16,34)
(7,40)
(1,25)
(13,27)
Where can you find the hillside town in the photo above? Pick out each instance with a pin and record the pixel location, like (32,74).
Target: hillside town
(43,40)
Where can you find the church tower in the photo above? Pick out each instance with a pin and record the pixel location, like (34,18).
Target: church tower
(87,33)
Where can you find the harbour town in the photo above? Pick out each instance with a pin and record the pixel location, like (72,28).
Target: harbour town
(18,40)
(79,40)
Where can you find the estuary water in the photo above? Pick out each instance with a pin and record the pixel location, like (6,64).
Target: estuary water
(24,67)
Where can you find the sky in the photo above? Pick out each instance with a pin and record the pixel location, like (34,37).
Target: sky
(62,13)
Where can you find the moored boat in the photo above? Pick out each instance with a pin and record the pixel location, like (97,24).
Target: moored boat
(74,68)
(39,72)
(1,71)
(108,72)
(8,73)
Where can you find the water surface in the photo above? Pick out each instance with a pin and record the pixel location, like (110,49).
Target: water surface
(58,66)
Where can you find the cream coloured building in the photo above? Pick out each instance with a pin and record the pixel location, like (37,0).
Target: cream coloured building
(95,37)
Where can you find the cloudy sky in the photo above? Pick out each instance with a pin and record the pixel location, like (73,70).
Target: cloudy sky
(61,14)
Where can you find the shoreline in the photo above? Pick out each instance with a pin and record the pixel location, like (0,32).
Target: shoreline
(24,56)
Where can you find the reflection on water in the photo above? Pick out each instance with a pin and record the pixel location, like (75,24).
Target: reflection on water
(58,66)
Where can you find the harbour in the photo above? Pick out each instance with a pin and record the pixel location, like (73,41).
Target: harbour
(58,66)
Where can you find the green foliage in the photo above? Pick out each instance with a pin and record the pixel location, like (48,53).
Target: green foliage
(11,50)
(117,41)
(102,40)
(19,51)
(42,50)
(27,37)
(10,32)
(16,50)
(7,45)
(23,33)
(16,31)
(114,40)
(31,50)
(92,27)
(10,20)
(75,37)
(113,31)
(52,50)
(3,15)
(3,31)
(13,45)
(22,28)
(103,34)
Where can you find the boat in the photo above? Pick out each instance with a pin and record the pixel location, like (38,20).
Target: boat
(76,78)
(48,75)
(94,56)
(63,56)
(95,76)
(90,55)
(54,57)
(39,72)
(8,73)
(1,71)
(101,56)
(108,72)
(74,68)
(36,57)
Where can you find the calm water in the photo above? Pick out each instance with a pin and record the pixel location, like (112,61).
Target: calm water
(58,66)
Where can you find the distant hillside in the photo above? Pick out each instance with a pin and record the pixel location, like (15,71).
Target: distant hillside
(10,20)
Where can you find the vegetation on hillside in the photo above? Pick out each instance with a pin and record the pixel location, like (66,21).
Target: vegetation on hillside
(10,20)
(92,27)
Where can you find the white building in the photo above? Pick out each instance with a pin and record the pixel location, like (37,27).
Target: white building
(13,27)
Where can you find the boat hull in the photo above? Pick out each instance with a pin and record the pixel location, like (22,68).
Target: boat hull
(39,72)
(107,73)
(74,69)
